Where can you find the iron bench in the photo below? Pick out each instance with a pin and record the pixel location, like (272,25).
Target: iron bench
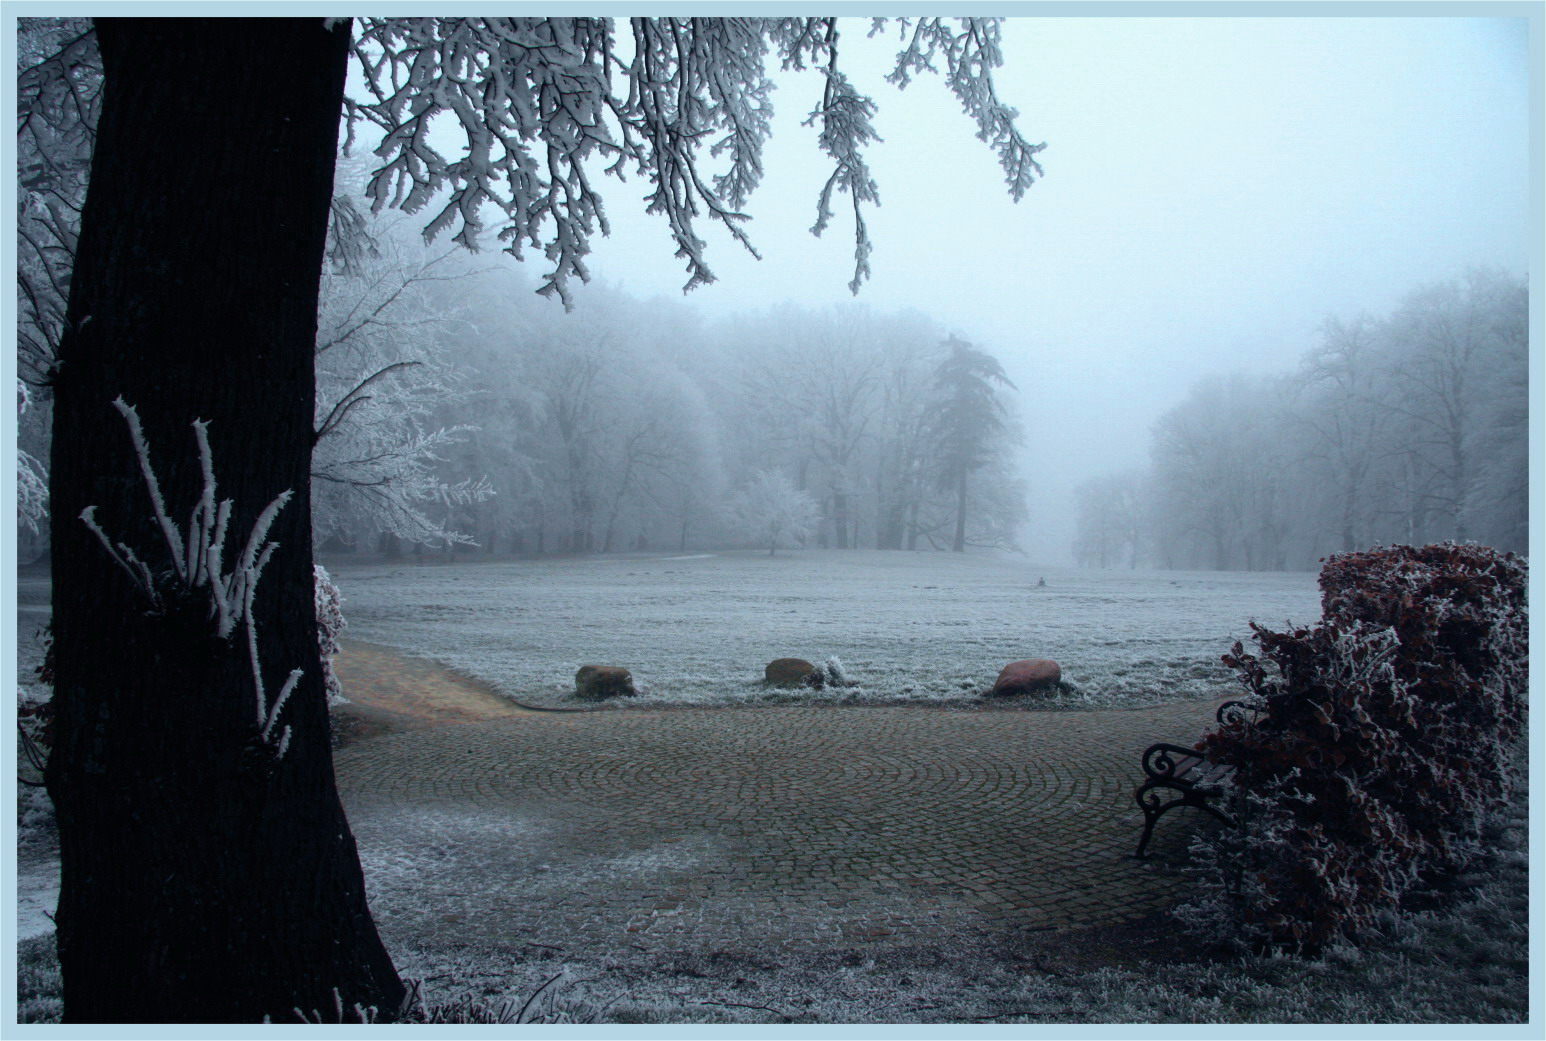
(1184,771)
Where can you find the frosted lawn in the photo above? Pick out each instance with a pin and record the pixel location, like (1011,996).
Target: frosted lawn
(907,627)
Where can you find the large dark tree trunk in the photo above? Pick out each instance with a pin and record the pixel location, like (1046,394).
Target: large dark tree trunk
(206,876)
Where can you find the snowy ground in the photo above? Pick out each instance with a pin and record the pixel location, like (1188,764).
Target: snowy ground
(697,629)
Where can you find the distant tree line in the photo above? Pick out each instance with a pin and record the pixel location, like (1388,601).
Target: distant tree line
(632,425)
(1407,429)
(456,412)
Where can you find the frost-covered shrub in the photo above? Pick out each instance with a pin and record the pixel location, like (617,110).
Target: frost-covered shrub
(330,627)
(1384,736)
(1462,606)
(837,673)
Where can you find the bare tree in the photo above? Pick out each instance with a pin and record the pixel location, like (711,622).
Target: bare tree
(382,376)
(1210,484)
(1346,424)
(910,353)
(1409,428)
(771,511)
(1447,337)
(1111,520)
(812,382)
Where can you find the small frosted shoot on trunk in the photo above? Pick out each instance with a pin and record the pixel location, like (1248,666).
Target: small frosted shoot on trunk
(267,719)
(197,560)
(142,452)
(123,556)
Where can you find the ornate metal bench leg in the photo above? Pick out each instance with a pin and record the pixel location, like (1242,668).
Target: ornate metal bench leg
(1151,813)
(1153,809)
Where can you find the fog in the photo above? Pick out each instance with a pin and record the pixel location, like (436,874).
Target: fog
(1265,301)
(1214,188)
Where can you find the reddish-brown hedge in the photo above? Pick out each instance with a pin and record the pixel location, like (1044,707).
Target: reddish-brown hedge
(1384,735)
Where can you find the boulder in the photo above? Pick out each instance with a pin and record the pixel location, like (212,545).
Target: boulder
(599,682)
(791,672)
(1032,675)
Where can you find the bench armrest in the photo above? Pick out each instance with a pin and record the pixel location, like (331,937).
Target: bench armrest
(1165,761)
(1236,712)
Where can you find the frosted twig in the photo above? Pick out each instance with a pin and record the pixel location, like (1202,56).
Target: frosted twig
(142,451)
(204,513)
(248,593)
(260,528)
(122,556)
(279,701)
(222,517)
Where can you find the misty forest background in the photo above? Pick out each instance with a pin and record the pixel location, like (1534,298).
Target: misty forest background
(460,412)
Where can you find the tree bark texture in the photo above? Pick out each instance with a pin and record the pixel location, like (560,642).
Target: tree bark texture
(206,878)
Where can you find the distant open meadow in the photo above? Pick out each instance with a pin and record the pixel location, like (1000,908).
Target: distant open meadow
(907,628)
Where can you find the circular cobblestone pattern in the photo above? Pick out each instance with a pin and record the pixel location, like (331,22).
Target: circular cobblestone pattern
(743,828)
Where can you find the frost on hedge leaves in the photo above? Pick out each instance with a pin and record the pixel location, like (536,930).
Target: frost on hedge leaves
(1385,735)
(330,627)
(196,562)
(535,101)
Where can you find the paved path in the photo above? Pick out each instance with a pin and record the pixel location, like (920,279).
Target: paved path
(739,828)
(389,693)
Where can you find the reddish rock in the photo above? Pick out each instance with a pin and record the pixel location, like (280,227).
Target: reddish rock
(599,682)
(1033,675)
(790,672)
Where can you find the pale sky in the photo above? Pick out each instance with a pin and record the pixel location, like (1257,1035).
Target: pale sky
(1214,188)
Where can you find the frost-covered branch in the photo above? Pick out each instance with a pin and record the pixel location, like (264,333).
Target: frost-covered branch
(383,381)
(970,56)
(356,396)
(845,127)
(538,99)
(31,475)
(529,95)
(59,79)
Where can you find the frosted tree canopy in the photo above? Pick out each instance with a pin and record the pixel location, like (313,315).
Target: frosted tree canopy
(540,102)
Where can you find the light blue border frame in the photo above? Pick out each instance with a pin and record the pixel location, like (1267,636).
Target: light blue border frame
(1532,10)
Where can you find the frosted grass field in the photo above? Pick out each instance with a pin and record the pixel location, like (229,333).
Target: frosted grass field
(700,628)
(908,627)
